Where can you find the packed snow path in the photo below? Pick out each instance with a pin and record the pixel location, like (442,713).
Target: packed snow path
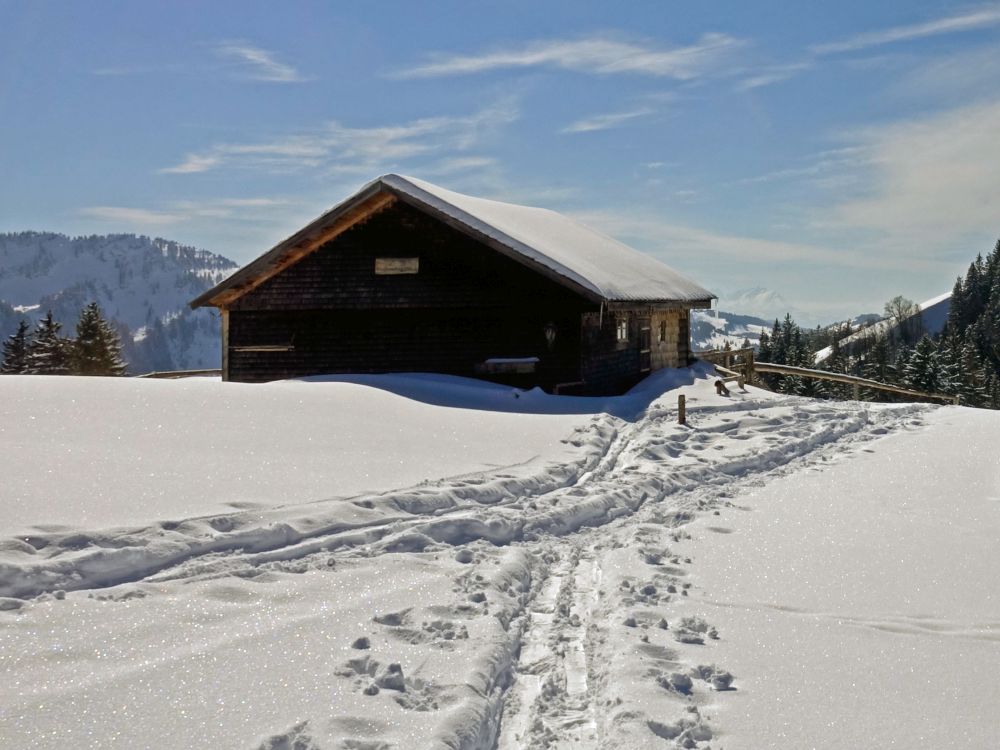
(544,604)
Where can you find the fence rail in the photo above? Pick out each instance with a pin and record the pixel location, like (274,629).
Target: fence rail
(741,363)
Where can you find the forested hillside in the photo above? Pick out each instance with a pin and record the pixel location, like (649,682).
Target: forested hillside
(962,360)
(141,284)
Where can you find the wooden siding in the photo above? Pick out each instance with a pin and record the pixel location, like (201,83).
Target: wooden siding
(454,271)
(608,365)
(330,312)
(269,345)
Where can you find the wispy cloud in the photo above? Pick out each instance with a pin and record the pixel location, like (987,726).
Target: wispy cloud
(606,121)
(804,269)
(770,74)
(707,247)
(976,19)
(967,75)
(179,212)
(257,64)
(338,148)
(932,181)
(969,21)
(816,166)
(599,55)
(131,216)
(454,165)
(193,163)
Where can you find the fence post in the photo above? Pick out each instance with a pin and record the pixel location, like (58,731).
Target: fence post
(681,409)
(857,392)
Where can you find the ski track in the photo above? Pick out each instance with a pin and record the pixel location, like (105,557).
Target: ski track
(543,685)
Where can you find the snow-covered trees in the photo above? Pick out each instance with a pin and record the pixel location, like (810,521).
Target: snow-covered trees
(963,361)
(48,352)
(922,371)
(96,350)
(15,351)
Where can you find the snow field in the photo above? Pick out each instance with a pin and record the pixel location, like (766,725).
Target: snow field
(867,616)
(552,602)
(92,453)
(278,656)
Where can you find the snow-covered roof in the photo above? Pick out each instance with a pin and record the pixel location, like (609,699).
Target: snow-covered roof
(608,268)
(593,263)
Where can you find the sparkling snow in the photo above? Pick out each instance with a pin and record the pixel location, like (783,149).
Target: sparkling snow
(467,566)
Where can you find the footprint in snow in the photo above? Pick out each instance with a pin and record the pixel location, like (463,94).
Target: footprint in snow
(393,619)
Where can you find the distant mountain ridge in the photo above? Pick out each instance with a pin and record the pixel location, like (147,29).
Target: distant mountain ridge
(757,302)
(142,284)
(713,329)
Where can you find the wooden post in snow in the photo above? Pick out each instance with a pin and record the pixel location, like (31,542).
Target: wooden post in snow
(681,410)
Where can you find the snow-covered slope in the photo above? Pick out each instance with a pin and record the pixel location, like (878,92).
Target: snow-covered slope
(713,329)
(758,302)
(548,571)
(933,316)
(861,591)
(142,284)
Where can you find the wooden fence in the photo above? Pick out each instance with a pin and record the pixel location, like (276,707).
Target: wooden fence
(740,364)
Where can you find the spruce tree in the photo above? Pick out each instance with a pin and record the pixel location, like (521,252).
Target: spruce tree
(951,376)
(956,310)
(922,372)
(15,351)
(48,352)
(97,349)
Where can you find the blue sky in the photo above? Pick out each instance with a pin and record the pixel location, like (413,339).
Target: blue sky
(839,154)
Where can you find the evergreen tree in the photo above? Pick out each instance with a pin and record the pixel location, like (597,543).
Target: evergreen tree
(764,347)
(973,384)
(956,310)
(97,349)
(922,372)
(951,375)
(15,351)
(876,366)
(48,352)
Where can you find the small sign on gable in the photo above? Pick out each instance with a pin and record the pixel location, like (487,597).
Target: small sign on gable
(396,266)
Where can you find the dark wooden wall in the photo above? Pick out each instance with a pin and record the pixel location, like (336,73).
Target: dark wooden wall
(609,365)
(456,271)
(467,303)
(331,313)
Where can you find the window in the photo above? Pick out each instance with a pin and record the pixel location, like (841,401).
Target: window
(622,330)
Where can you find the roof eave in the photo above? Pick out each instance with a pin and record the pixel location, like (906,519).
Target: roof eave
(272,257)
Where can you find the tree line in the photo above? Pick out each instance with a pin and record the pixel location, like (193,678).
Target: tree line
(95,350)
(962,360)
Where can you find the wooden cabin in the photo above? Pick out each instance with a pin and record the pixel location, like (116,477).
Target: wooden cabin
(405,276)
